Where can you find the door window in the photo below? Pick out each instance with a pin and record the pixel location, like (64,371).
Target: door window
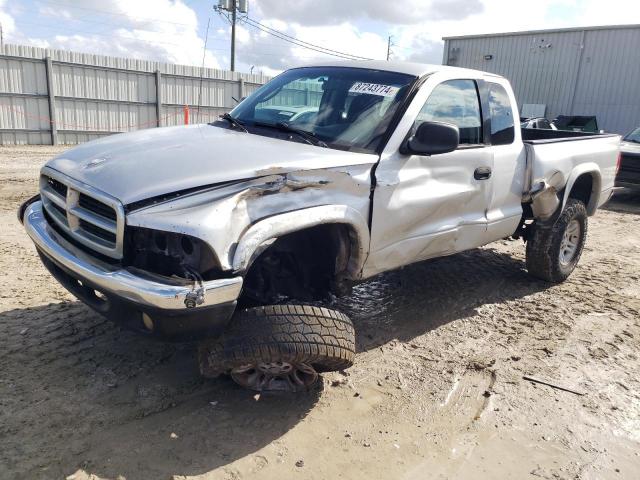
(502,126)
(455,102)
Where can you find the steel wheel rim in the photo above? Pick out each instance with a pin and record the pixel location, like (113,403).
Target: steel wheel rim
(570,242)
(275,376)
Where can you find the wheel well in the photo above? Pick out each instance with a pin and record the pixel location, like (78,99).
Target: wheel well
(304,265)
(582,188)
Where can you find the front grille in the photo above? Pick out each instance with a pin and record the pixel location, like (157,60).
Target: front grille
(61,211)
(97,207)
(98,232)
(92,218)
(58,187)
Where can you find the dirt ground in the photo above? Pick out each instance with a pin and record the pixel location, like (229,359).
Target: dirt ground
(437,390)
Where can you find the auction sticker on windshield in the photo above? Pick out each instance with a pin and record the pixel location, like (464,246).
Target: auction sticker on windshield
(374,89)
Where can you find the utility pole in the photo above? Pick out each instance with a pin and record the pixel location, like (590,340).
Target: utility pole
(233,38)
(389,48)
(233,7)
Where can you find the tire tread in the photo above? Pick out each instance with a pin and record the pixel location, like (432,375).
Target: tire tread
(318,336)
(541,258)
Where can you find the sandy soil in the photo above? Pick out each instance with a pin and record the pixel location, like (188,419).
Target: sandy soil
(437,390)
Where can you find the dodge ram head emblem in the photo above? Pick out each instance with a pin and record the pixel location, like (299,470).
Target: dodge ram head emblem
(95,162)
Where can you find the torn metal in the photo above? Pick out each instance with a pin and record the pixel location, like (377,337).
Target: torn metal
(239,221)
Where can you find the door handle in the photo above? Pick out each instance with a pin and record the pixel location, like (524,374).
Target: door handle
(482,173)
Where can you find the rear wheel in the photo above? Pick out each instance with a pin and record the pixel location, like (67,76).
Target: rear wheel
(280,347)
(554,248)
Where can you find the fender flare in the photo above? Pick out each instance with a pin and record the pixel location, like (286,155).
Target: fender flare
(276,226)
(586,168)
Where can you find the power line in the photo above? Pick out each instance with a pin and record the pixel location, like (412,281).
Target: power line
(297,44)
(294,39)
(204,55)
(301,43)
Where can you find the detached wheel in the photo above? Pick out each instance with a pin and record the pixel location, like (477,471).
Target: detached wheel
(280,347)
(554,248)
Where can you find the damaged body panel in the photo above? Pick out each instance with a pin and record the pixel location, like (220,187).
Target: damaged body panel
(554,166)
(266,208)
(148,163)
(324,177)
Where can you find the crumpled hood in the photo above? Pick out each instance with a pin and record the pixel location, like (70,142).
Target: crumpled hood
(147,163)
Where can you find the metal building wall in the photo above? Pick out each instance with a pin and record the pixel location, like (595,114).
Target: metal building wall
(95,95)
(573,71)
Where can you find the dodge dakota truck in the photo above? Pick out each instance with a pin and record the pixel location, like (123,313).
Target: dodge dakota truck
(236,232)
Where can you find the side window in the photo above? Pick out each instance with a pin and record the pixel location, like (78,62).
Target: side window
(456,102)
(502,126)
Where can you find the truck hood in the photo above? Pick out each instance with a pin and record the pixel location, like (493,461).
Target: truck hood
(147,163)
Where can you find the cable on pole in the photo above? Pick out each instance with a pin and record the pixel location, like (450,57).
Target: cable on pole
(204,54)
(301,43)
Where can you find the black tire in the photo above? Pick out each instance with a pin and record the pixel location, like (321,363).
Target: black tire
(545,240)
(296,334)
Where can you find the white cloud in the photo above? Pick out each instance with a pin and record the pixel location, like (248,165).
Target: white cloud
(272,55)
(8,24)
(402,12)
(165,30)
(612,12)
(55,12)
(418,26)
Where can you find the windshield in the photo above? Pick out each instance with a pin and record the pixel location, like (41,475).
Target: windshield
(346,108)
(633,136)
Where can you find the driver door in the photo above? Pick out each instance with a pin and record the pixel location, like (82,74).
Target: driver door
(429,206)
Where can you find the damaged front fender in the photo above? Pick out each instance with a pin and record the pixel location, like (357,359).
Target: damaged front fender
(236,220)
(273,227)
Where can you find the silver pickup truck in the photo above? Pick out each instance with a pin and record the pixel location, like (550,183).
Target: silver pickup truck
(235,232)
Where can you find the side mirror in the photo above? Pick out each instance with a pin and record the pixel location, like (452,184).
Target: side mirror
(432,138)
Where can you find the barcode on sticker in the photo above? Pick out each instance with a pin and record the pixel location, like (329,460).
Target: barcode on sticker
(374,89)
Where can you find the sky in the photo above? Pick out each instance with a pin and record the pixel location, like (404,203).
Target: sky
(175,31)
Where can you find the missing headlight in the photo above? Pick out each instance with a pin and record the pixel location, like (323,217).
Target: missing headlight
(169,254)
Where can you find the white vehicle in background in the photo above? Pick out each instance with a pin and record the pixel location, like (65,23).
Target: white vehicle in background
(232,232)
(629,170)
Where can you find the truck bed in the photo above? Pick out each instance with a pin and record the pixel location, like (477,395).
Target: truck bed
(537,136)
(555,158)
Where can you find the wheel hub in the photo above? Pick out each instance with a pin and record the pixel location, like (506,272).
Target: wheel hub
(275,376)
(570,241)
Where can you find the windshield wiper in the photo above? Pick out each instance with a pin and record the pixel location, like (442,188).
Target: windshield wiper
(308,137)
(234,122)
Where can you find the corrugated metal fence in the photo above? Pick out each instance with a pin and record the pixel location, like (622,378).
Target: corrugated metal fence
(58,97)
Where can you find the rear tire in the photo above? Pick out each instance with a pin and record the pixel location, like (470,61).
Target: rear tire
(280,347)
(554,248)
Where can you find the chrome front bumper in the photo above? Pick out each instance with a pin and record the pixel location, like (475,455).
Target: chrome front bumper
(120,282)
